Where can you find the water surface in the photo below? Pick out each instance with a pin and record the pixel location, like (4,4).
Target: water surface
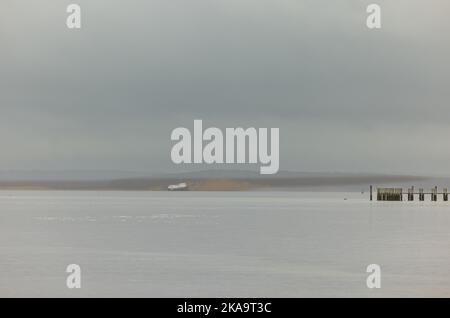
(237,244)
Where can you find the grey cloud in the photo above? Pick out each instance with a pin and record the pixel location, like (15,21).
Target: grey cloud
(107,96)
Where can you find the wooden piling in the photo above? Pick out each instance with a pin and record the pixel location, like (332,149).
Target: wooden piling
(421,195)
(434,194)
(411,194)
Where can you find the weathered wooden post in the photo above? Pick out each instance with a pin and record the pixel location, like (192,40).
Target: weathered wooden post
(421,195)
(370,192)
(434,194)
(411,194)
(445,194)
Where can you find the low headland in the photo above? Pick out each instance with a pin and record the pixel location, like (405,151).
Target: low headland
(215,180)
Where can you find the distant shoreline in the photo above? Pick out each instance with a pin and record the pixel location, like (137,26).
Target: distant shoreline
(354,182)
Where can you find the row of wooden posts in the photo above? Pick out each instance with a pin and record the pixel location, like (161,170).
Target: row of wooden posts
(396,194)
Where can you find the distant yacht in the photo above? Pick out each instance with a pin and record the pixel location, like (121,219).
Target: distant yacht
(178,187)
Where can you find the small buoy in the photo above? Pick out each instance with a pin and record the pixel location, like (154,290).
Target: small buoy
(345,199)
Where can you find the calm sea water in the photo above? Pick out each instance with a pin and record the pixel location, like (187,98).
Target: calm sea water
(241,244)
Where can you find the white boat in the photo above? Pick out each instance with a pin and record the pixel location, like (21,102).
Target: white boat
(178,187)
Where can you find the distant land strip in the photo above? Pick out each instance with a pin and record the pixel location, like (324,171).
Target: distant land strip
(213,184)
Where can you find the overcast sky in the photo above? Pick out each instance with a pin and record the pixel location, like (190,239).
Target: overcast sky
(107,96)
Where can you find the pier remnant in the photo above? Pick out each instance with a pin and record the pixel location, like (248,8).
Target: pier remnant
(396,194)
(389,194)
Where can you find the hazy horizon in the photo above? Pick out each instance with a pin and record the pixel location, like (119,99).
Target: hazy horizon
(68,175)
